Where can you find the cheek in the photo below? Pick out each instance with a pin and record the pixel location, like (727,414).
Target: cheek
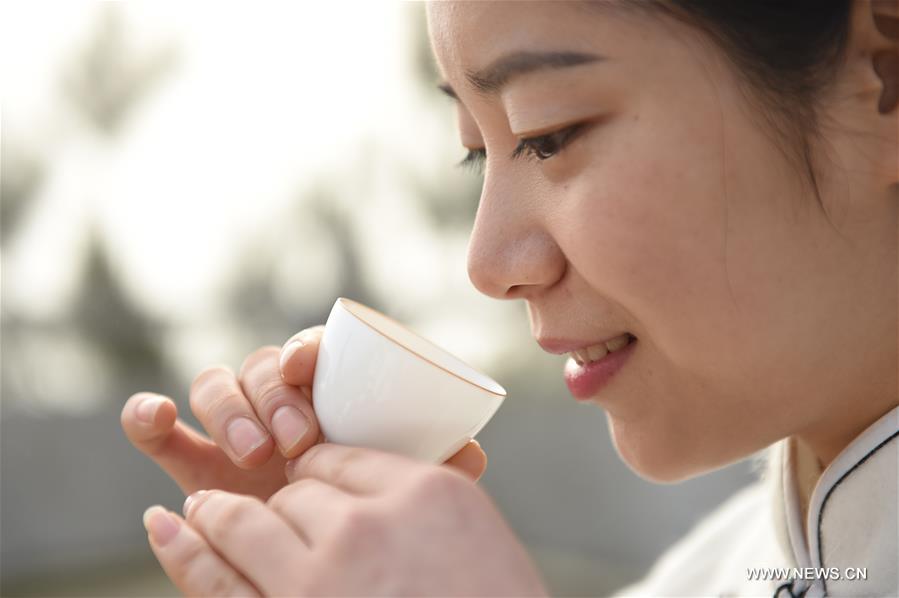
(645,227)
(648,229)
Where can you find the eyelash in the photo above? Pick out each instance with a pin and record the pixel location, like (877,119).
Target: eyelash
(532,147)
(474,160)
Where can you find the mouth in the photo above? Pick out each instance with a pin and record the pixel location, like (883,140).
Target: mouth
(598,351)
(581,349)
(591,368)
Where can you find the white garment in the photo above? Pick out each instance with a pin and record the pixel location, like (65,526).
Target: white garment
(851,522)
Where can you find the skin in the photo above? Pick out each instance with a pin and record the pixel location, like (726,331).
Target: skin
(675,217)
(672,215)
(269,379)
(299,516)
(354,522)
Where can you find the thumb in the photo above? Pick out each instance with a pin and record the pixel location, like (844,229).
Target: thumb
(298,356)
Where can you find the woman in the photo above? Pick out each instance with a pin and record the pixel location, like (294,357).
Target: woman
(717,180)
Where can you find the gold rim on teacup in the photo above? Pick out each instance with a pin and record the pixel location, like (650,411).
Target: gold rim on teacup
(349,304)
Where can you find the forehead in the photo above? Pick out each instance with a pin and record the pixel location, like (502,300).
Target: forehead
(468,35)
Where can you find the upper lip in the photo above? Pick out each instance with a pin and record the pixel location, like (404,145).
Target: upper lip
(558,346)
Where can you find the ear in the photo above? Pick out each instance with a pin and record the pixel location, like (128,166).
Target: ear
(872,95)
(874,40)
(886,65)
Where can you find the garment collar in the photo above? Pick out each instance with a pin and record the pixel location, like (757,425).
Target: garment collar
(851,518)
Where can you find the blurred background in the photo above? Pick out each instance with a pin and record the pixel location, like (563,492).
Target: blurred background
(183,183)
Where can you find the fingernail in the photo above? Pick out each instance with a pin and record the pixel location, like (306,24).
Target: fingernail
(244,436)
(289,426)
(146,409)
(288,351)
(191,501)
(161,526)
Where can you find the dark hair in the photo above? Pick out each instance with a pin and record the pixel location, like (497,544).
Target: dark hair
(786,51)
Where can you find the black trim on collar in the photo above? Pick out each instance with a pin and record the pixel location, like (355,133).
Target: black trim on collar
(788,586)
(827,496)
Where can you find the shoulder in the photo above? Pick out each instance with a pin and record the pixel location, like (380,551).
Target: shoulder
(714,556)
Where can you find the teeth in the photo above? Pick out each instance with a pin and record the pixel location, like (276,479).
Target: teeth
(618,342)
(580,357)
(598,351)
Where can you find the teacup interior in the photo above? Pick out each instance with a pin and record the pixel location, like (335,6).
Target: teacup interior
(421,347)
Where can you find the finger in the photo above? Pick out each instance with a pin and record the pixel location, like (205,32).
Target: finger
(312,507)
(150,422)
(354,469)
(298,355)
(189,561)
(471,459)
(218,401)
(284,409)
(251,537)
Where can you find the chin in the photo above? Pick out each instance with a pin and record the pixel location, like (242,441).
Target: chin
(652,456)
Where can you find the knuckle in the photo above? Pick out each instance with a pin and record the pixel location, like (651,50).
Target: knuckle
(351,456)
(344,464)
(434,483)
(207,375)
(335,471)
(289,493)
(258,356)
(269,394)
(281,497)
(192,559)
(360,525)
(218,400)
(232,519)
(361,532)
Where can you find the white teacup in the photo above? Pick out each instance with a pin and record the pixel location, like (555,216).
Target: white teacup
(379,385)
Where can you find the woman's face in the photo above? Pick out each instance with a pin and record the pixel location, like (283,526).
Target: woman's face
(669,212)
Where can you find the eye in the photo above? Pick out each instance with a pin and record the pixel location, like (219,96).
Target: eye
(474,160)
(543,147)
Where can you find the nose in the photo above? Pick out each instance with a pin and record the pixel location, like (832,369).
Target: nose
(511,254)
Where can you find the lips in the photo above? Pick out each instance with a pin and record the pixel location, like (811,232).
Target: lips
(585,380)
(591,363)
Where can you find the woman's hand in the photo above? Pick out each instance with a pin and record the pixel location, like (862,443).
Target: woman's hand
(256,420)
(353,522)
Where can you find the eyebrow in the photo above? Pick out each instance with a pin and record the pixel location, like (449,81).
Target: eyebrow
(493,77)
